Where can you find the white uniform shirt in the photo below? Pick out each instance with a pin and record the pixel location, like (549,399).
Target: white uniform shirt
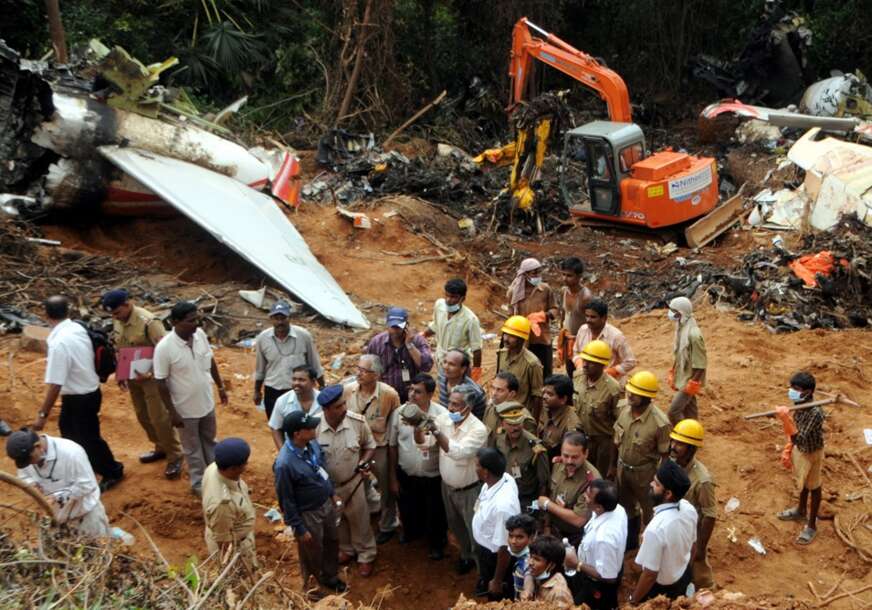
(667,541)
(66,476)
(71,359)
(416,460)
(604,541)
(187,371)
(275,359)
(289,402)
(457,465)
(495,505)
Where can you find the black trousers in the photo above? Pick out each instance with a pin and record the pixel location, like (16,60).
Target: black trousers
(597,594)
(270,396)
(676,589)
(545,354)
(487,565)
(80,422)
(421,510)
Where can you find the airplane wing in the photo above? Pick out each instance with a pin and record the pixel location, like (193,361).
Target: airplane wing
(247,221)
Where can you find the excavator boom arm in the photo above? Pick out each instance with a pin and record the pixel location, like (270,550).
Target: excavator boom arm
(560,55)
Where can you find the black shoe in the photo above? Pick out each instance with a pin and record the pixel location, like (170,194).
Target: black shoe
(436,555)
(5,430)
(384,537)
(464,566)
(151,456)
(108,483)
(336,584)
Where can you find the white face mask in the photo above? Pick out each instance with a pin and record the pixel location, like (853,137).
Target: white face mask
(674,316)
(526,551)
(453,308)
(535,280)
(544,575)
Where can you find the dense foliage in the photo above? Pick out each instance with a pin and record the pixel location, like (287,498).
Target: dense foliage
(296,56)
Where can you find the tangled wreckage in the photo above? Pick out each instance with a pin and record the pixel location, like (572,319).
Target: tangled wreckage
(102,133)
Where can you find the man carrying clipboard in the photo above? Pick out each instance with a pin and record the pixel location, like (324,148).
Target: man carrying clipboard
(136,331)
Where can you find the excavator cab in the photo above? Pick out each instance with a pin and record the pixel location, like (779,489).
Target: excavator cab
(596,157)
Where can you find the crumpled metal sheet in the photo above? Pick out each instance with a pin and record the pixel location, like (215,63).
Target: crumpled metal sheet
(247,221)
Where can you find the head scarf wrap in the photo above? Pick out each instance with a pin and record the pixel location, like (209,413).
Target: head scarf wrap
(518,288)
(685,326)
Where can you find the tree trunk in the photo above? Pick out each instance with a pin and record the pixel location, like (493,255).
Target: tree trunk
(56,28)
(358,63)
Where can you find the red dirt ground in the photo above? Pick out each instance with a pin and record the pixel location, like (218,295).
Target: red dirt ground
(748,372)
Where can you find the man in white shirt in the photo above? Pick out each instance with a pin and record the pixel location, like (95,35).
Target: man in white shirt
(601,553)
(278,351)
(183,365)
(59,468)
(303,398)
(70,372)
(414,472)
(669,541)
(497,503)
(459,435)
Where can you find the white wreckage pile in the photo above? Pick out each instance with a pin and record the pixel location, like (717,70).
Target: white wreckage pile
(103,134)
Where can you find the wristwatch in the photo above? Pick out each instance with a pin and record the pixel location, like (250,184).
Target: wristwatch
(42,415)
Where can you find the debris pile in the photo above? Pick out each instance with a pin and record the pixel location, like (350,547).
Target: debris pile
(827,283)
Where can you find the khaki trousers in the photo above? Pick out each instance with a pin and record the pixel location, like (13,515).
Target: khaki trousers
(355,531)
(154,418)
(683,407)
(387,521)
(703,577)
(459,510)
(600,452)
(633,486)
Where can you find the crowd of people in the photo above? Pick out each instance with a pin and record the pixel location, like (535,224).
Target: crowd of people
(545,483)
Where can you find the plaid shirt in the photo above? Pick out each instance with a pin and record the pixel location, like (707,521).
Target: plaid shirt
(394,360)
(809,435)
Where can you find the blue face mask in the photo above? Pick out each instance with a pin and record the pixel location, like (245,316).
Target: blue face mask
(453,308)
(535,281)
(455,417)
(794,395)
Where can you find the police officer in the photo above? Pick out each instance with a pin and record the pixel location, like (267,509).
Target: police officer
(305,494)
(227,508)
(526,456)
(596,402)
(687,437)
(566,508)
(642,439)
(348,445)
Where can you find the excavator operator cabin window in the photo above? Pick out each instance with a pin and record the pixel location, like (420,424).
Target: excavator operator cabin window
(601,166)
(629,156)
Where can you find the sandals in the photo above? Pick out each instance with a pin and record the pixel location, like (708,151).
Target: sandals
(791,514)
(806,536)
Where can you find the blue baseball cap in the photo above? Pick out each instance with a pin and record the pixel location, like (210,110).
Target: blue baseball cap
(397,316)
(230,452)
(329,395)
(114,298)
(280,308)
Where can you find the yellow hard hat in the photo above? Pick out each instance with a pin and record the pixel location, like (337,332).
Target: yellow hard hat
(518,326)
(597,351)
(688,431)
(643,383)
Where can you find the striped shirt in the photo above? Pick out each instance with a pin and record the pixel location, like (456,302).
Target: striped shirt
(479,403)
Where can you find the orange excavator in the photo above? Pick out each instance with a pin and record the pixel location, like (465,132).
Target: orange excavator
(606,170)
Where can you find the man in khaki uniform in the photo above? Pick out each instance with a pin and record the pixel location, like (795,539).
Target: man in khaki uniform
(558,417)
(227,509)
(687,375)
(566,508)
(348,447)
(687,438)
(596,403)
(642,439)
(514,357)
(134,326)
(503,388)
(376,401)
(526,456)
